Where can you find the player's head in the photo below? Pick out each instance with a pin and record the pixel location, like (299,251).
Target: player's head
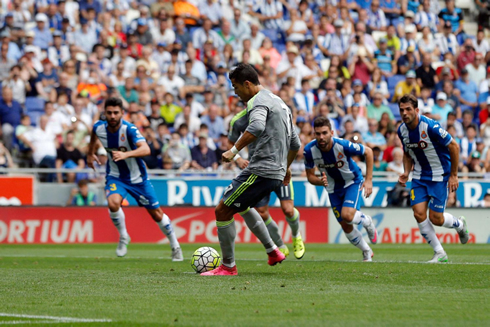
(113,111)
(245,80)
(323,132)
(409,110)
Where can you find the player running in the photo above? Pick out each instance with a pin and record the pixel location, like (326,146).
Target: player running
(275,144)
(126,173)
(434,156)
(285,193)
(343,180)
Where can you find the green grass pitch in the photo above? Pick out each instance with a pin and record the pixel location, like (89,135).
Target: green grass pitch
(330,286)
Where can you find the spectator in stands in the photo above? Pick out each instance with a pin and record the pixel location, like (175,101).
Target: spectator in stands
(18,81)
(360,122)
(214,122)
(467,55)
(396,165)
(10,116)
(407,86)
(468,143)
(376,109)
(176,155)
(305,99)
(267,50)
(378,164)
(47,79)
(155,119)
(82,196)
(474,164)
(425,99)
(426,18)
(426,45)
(270,14)
(447,42)
(239,28)
(377,20)
(480,44)
(93,87)
(361,66)
(205,33)
(407,61)
(42,142)
(477,70)
(453,16)
(85,38)
(173,84)
(5,62)
(202,157)
(63,106)
(193,122)
(393,41)
(43,37)
(426,75)
(349,99)
(384,59)
(5,157)
(153,159)
(336,43)
(291,68)
(452,98)
(68,157)
(441,109)
(377,84)
(127,91)
(469,91)
(372,137)
(169,110)
(211,10)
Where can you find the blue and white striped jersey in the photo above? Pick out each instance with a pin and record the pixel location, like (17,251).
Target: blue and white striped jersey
(131,170)
(427,145)
(337,163)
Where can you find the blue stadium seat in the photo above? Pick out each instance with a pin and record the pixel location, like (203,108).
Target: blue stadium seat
(272,34)
(392,81)
(34,104)
(395,110)
(35,115)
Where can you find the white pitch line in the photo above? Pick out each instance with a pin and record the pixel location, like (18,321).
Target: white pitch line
(55,319)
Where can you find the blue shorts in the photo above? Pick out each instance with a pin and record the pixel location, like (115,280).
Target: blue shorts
(143,193)
(346,197)
(435,193)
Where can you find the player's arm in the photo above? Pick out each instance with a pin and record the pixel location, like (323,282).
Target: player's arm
(91,156)
(142,150)
(407,168)
(314,179)
(258,116)
(242,163)
(368,183)
(453,182)
(294,146)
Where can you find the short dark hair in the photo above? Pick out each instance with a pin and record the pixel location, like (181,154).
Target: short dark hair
(451,113)
(244,72)
(113,102)
(322,121)
(82,182)
(409,98)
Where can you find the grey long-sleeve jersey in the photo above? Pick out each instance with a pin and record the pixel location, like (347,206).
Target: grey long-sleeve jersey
(269,119)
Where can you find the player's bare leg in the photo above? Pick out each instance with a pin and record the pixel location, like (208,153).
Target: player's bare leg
(272,228)
(119,220)
(355,238)
(427,231)
(447,220)
(292,218)
(353,216)
(165,226)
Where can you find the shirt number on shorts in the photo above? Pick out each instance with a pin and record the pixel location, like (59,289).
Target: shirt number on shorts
(112,187)
(412,195)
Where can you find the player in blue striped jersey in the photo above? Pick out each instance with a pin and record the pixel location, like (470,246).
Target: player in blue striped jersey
(126,173)
(343,180)
(433,154)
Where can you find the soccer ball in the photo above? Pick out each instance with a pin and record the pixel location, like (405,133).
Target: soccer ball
(205,259)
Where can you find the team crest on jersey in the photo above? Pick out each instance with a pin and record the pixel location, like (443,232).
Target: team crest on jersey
(339,164)
(123,138)
(423,135)
(340,156)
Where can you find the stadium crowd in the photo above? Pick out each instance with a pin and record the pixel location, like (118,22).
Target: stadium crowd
(349,60)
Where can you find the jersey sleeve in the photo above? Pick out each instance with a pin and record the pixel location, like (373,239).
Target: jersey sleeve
(401,139)
(309,163)
(353,149)
(237,126)
(258,117)
(439,134)
(134,135)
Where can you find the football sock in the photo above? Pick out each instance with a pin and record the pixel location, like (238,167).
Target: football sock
(257,226)
(356,239)
(294,223)
(428,232)
(451,222)
(119,220)
(167,229)
(360,219)
(274,231)
(226,236)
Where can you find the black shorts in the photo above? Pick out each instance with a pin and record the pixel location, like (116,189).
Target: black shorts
(247,189)
(283,193)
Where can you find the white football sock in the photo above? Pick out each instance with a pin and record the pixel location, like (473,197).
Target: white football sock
(451,222)
(119,220)
(360,219)
(166,227)
(356,239)
(428,232)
